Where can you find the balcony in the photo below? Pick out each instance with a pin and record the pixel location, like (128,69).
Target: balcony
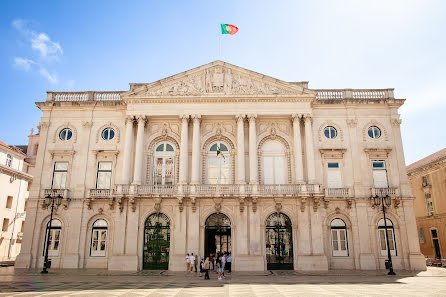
(55,192)
(337,192)
(208,190)
(101,193)
(384,191)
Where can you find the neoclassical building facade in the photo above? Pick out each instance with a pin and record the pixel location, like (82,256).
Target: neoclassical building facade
(221,159)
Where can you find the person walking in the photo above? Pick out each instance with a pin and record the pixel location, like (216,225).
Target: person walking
(223,264)
(206,268)
(201,266)
(211,261)
(219,267)
(229,263)
(188,262)
(192,263)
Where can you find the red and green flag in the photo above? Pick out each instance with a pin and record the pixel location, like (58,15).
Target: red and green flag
(228,29)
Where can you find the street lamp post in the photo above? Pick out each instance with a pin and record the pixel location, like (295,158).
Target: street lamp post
(385,201)
(50,200)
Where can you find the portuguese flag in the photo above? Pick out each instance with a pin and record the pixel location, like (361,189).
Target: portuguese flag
(228,29)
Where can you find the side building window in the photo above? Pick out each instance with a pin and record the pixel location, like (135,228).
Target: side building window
(339,241)
(104,175)
(54,238)
(382,237)
(60,172)
(8,160)
(379,171)
(429,204)
(99,238)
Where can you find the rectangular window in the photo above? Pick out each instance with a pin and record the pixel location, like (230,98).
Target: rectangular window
(9,202)
(5,225)
(339,242)
(60,175)
(334,177)
(104,175)
(425,181)
(383,243)
(429,204)
(420,235)
(379,174)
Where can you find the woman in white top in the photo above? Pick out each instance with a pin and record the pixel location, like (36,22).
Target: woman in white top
(187,262)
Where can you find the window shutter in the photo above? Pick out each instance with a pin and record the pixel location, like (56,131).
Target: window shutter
(334,178)
(380,178)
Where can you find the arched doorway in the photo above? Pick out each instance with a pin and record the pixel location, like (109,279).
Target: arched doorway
(156,242)
(279,242)
(217,237)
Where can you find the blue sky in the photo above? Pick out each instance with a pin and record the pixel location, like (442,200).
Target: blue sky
(104,45)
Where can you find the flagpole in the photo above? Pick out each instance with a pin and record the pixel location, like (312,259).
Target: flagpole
(219,46)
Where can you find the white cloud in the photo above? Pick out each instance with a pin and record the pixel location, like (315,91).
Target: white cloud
(23,63)
(45,46)
(40,42)
(52,78)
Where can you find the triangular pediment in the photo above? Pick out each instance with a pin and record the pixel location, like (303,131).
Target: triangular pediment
(218,79)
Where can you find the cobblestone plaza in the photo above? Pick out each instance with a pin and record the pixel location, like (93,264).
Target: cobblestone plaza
(20,282)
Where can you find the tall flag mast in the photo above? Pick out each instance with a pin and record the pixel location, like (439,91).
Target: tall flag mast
(226,29)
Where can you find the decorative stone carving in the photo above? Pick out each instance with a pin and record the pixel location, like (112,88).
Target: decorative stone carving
(65,203)
(218,80)
(337,210)
(111,204)
(88,203)
(326,202)
(396,122)
(254,204)
(120,204)
(242,204)
(316,202)
(217,204)
(157,205)
(180,204)
(396,202)
(193,203)
(352,122)
(87,124)
(43,126)
(349,203)
(303,204)
(100,210)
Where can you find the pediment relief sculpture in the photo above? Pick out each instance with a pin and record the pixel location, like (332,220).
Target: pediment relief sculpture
(218,78)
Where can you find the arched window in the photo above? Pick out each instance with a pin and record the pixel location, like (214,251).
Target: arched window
(274,163)
(8,160)
(164,164)
(99,238)
(54,238)
(382,237)
(218,160)
(339,241)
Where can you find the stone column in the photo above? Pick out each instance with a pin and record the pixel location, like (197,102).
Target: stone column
(309,150)
(127,150)
(416,259)
(240,149)
(297,141)
(184,149)
(366,258)
(139,151)
(195,179)
(253,169)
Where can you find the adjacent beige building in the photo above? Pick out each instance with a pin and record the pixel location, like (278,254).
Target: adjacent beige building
(14,181)
(427,178)
(221,159)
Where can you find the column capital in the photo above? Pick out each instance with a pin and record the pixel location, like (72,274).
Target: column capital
(141,119)
(196,118)
(129,119)
(296,117)
(240,117)
(184,117)
(252,118)
(307,117)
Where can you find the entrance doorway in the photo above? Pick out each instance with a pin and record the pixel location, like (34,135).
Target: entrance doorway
(156,242)
(279,242)
(436,243)
(217,237)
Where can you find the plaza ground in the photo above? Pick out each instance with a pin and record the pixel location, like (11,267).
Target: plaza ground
(20,282)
